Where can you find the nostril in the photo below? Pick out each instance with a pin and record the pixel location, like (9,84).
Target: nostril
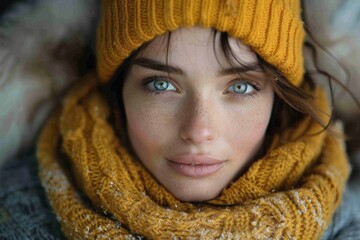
(198,135)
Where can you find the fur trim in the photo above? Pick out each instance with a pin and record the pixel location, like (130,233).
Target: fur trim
(40,47)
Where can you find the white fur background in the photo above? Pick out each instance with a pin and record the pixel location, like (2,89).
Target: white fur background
(336,25)
(40,47)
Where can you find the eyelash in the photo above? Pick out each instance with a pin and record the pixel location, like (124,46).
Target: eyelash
(248,82)
(145,82)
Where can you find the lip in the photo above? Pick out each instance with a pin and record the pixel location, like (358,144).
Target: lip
(196,166)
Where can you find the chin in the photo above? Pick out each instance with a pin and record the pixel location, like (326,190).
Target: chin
(196,194)
(43,45)
(196,197)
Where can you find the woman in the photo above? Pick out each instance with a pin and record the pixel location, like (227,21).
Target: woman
(217,134)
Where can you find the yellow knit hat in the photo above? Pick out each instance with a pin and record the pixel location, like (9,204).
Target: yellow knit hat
(273,28)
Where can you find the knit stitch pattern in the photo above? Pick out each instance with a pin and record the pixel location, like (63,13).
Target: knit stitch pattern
(291,193)
(272,28)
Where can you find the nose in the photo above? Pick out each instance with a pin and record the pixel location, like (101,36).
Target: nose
(199,124)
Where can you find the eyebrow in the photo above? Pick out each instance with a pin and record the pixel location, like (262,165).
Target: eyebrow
(241,69)
(158,66)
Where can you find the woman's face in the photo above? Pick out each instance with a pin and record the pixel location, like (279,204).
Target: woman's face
(194,122)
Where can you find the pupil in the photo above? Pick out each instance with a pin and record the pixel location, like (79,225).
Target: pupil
(240,88)
(161,85)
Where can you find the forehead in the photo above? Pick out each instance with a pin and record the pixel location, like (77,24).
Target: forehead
(197,43)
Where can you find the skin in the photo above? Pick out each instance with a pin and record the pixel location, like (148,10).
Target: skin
(198,112)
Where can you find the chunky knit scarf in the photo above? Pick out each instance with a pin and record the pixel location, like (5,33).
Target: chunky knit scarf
(99,191)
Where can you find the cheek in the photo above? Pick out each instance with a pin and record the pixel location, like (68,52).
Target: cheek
(247,133)
(147,128)
(142,129)
(247,128)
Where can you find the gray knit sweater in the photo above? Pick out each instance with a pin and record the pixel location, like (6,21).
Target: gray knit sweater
(24,210)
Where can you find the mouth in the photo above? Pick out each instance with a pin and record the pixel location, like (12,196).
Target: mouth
(195,166)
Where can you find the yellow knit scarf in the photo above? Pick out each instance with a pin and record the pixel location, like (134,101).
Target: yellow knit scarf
(291,193)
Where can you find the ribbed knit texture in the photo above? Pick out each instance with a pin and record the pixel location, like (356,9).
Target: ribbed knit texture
(291,193)
(272,28)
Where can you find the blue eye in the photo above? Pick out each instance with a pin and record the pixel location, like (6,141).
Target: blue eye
(160,85)
(241,88)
